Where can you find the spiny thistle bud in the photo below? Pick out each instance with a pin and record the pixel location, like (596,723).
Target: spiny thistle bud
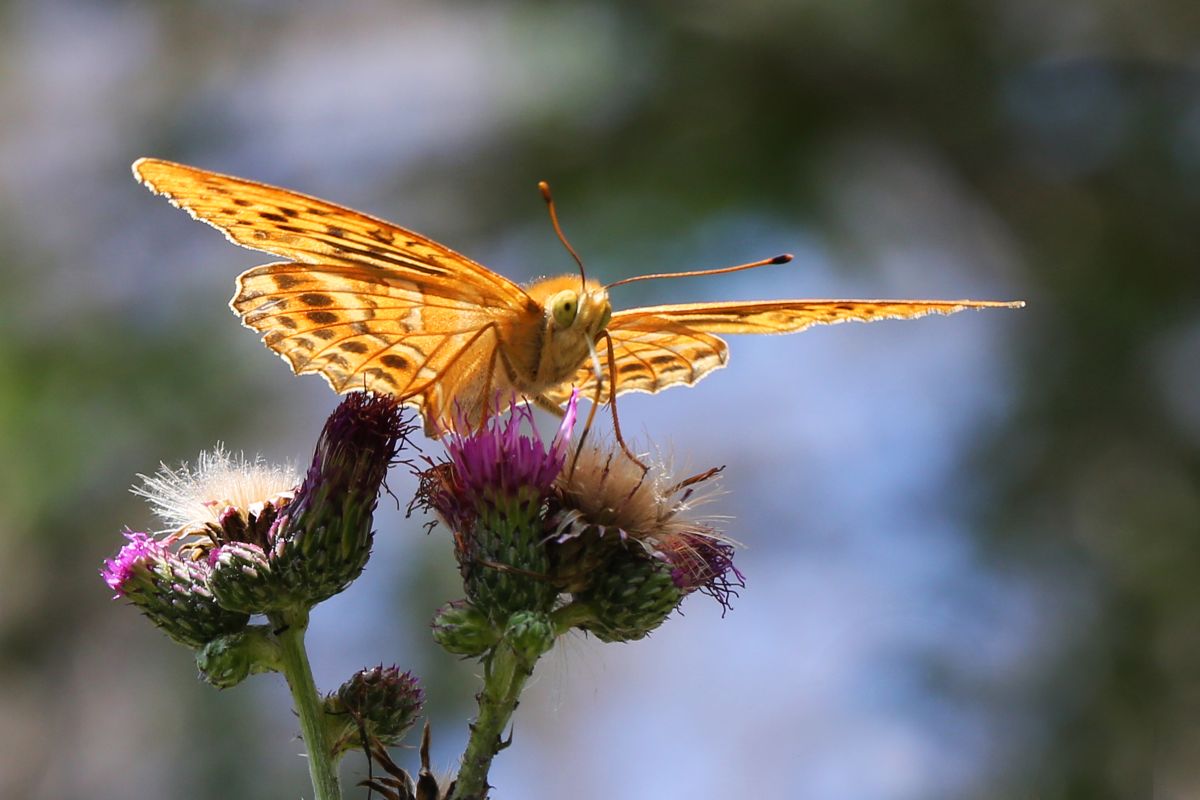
(632,596)
(491,492)
(324,540)
(529,634)
(228,660)
(381,702)
(464,630)
(171,591)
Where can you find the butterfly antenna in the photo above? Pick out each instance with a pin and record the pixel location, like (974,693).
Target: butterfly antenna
(779,259)
(545,190)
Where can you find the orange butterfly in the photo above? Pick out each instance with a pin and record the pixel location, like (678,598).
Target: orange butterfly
(370,305)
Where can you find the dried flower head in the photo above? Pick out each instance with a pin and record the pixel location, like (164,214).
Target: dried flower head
(627,545)
(191,498)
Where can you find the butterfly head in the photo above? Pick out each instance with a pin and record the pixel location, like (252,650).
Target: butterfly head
(570,312)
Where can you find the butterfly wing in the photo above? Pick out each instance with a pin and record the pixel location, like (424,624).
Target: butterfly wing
(363,302)
(660,346)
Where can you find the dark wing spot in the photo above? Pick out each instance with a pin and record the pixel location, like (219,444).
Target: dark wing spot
(360,328)
(334,230)
(273,217)
(380,235)
(324,334)
(662,360)
(336,360)
(241,201)
(354,347)
(285,281)
(286,322)
(290,229)
(630,367)
(383,376)
(316,299)
(289,212)
(322,317)
(394,361)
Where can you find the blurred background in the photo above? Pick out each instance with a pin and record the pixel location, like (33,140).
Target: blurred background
(973,543)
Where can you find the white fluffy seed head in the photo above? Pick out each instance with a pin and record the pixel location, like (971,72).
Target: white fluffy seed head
(195,496)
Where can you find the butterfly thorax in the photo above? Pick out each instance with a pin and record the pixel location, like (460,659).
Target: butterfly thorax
(573,317)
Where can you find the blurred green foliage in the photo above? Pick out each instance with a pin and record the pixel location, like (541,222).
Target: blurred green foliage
(1075,127)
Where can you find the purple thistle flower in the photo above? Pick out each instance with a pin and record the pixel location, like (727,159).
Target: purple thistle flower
(171,591)
(501,459)
(495,463)
(701,561)
(136,557)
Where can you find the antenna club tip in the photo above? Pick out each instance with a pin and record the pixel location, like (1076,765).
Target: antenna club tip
(782,258)
(544,188)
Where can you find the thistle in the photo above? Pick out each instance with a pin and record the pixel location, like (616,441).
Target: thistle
(603,545)
(243,537)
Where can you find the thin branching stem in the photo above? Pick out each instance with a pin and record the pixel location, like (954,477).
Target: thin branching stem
(322,768)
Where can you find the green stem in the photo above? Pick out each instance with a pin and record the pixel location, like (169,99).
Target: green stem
(571,616)
(290,628)
(503,679)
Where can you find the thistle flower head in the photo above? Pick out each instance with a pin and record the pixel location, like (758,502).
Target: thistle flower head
(324,539)
(243,539)
(491,492)
(610,501)
(172,592)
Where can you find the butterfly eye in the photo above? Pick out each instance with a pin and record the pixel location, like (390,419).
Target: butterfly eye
(564,306)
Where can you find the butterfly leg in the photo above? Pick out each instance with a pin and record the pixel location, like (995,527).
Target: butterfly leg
(612,402)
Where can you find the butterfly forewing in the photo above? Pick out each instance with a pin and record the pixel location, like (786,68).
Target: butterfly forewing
(365,303)
(655,347)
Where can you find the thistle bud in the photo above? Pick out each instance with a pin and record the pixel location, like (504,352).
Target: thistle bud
(172,592)
(631,597)
(464,630)
(381,702)
(324,539)
(529,634)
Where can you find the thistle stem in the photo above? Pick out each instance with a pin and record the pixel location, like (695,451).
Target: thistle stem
(289,630)
(505,674)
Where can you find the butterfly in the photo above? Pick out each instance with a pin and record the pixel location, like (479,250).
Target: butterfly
(370,305)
